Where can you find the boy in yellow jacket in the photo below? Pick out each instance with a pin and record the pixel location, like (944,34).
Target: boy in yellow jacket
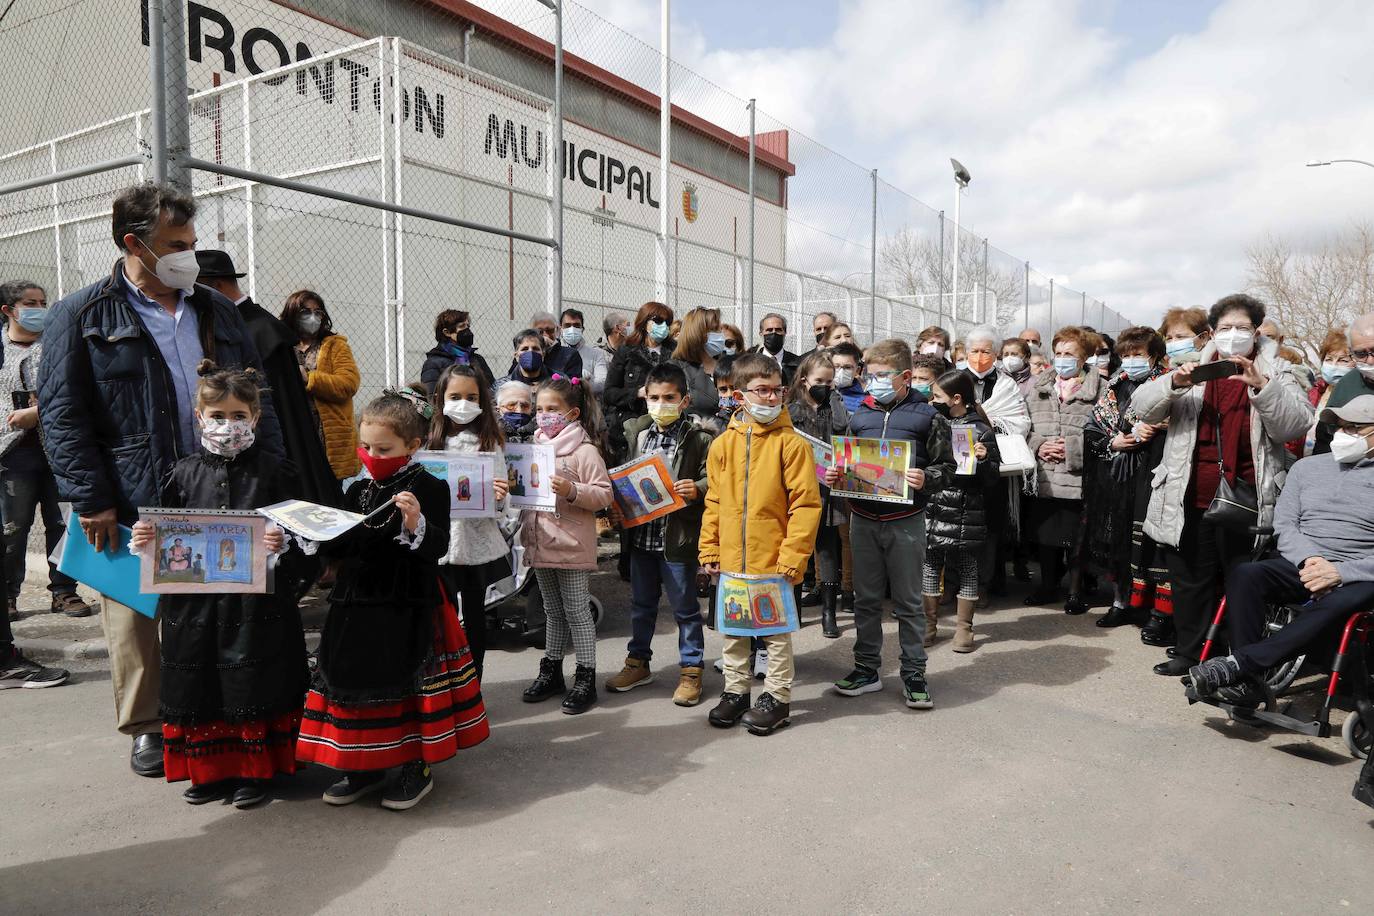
(762,510)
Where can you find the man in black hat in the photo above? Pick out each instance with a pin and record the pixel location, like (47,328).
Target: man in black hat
(275,343)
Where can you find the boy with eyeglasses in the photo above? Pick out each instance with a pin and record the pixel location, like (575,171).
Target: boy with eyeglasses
(889,539)
(763,507)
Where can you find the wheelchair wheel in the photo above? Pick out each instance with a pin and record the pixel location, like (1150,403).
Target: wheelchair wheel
(597,610)
(1281,676)
(1357,735)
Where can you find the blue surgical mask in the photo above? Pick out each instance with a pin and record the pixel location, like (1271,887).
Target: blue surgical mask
(924,388)
(31,319)
(658,331)
(715,343)
(1177,348)
(572,337)
(1136,367)
(961,365)
(1331,372)
(1065,366)
(882,391)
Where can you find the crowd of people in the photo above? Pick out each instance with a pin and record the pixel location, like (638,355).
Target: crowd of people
(1149,468)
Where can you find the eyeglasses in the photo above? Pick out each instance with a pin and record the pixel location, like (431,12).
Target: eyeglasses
(871,377)
(1361,356)
(768,392)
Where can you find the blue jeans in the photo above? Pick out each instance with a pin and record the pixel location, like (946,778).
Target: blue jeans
(650,573)
(24,491)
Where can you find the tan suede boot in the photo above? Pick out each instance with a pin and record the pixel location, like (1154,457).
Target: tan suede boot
(931,603)
(963,626)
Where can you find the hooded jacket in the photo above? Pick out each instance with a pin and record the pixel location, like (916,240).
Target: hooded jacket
(1278,412)
(566,537)
(763,505)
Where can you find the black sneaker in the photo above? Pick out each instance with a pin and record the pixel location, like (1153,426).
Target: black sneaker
(354,786)
(210,791)
(857,682)
(767,716)
(1213,674)
(249,793)
(413,784)
(729,710)
(916,693)
(18,671)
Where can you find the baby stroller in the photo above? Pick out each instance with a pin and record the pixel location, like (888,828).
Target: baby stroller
(514,606)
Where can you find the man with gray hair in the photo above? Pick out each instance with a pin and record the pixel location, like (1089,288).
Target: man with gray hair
(1354,384)
(773,330)
(558,357)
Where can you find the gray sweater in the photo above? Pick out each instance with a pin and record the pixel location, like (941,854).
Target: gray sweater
(1323,511)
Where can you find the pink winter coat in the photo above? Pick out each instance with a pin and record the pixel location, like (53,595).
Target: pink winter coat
(566,537)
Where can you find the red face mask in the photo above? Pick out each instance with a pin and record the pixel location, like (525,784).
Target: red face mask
(381,468)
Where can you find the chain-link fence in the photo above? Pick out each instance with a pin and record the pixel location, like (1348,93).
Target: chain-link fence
(400,157)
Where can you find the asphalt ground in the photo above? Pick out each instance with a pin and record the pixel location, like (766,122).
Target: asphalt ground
(1056,773)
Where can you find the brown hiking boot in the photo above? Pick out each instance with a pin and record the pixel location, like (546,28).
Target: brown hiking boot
(688,691)
(635,673)
(71,605)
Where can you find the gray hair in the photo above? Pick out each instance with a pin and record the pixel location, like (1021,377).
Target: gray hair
(983,332)
(542,316)
(777,316)
(12,292)
(519,388)
(612,321)
(138,210)
(1362,325)
(528,334)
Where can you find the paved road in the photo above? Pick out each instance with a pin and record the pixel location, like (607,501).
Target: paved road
(1055,774)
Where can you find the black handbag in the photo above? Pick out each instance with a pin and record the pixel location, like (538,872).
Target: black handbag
(1235,505)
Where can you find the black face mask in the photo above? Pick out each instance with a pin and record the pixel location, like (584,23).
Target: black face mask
(820,335)
(942,409)
(773,341)
(464,338)
(820,394)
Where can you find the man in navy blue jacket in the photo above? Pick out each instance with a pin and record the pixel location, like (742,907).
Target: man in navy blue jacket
(116,400)
(889,539)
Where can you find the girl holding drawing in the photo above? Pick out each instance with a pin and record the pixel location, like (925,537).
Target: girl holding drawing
(233,665)
(395,686)
(817,409)
(956,514)
(465,422)
(561,545)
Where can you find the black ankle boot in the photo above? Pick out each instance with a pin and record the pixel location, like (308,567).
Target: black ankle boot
(829,628)
(583,694)
(1159,631)
(548,683)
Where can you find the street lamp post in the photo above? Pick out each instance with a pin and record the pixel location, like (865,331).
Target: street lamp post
(961,180)
(1319,162)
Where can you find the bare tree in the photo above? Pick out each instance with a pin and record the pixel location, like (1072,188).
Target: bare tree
(1313,291)
(914,265)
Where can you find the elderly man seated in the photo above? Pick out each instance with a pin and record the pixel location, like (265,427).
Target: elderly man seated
(1325,526)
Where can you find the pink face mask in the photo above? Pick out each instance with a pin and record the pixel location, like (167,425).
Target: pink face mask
(552,423)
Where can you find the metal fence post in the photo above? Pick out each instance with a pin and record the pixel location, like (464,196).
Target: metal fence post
(1083,309)
(1026,302)
(662,276)
(983,296)
(940,296)
(157,75)
(178,107)
(749,292)
(556,160)
(873,266)
(1051,305)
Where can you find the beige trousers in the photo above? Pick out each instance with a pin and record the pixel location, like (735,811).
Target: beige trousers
(135,667)
(739,666)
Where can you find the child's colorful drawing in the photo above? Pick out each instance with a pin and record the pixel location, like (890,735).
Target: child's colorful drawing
(748,605)
(872,468)
(822,453)
(469,477)
(311,520)
(200,551)
(964,436)
(529,470)
(643,490)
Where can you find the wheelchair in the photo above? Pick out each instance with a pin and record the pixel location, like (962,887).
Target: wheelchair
(1345,681)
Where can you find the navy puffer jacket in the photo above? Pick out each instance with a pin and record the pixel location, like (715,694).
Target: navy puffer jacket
(106,399)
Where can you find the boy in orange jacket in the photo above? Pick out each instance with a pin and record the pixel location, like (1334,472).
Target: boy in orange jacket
(763,507)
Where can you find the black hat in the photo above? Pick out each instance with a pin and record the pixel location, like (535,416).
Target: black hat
(215,264)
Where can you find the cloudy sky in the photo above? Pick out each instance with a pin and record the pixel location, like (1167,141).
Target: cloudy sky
(1130,148)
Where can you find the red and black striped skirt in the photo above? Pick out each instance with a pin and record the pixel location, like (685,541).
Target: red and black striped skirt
(446,714)
(258,749)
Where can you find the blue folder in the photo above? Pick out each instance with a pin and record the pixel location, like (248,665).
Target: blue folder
(114,572)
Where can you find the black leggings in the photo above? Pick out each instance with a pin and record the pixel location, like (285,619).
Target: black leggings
(469,584)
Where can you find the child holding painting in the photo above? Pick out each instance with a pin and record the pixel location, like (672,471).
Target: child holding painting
(561,545)
(956,517)
(465,422)
(396,687)
(763,507)
(233,665)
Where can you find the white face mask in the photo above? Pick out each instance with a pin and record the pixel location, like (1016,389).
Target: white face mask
(764,413)
(462,412)
(1235,342)
(1348,448)
(932,349)
(1367,371)
(225,437)
(177,270)
(844,378)
(1013,364)
(572,337)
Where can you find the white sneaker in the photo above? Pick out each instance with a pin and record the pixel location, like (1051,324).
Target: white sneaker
(760,664)
(720,665)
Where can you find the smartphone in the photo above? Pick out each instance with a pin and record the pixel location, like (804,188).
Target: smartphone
(1222,368)
(22,399)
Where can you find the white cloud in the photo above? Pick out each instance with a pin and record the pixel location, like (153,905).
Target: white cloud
(1140,180)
